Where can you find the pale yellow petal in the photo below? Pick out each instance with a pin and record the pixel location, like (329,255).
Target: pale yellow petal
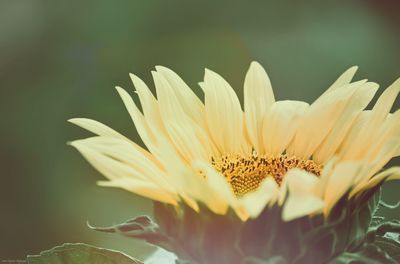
(152,116)
(394,176)
(156,141)
(115,160)
(392,173)
(149,104)
(344,79)
(217,195)
(280,124)
(339,182)
(258,98)
(302,195)
(388,130)
(385,102)
(223,113)
(358,141)
(346,150)
(187,183)
(143,188)
(103,130)
(266,194)
(186,135)
(190,103)
(298,205)
(118,171)
(141,125)
(109,167)
(300,182)
(188,143)
(325,174)
(335,137)
(387,152)
(160,147)
(129,154)
(96,127)
(319,119)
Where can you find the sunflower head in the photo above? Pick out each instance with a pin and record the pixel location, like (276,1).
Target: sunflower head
(253,180)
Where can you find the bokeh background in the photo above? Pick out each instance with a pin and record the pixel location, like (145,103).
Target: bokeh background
(62,59)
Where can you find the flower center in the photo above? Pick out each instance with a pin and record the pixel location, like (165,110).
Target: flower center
(245,173)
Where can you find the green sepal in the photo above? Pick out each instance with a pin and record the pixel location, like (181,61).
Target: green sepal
(200,237)
(141,227)
(80,254)
(352,230)
(272,260)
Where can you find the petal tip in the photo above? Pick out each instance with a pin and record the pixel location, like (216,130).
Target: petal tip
(132,76)
(121,91)
(74,120)
(161,68)
(256,64)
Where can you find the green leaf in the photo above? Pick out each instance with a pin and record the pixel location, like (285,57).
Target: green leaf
(390,246)
(80,254)
(141,227)
(369,253)
(352,258)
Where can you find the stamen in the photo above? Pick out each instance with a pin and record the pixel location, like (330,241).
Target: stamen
(245,173)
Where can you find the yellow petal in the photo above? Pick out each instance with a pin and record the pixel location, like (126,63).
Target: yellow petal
(223,113)
(189,102)
(298,205)
(385,102)
(189,186)
(266,194)
(357,145)
(128,154)
(109,157)
(388,131)
(217,196)
(157,142)
(343,80)
(335,137)
(280,124)
(300,182)
(183,132)
(302,197)
(149,104)
(339,182)
(143,188)
(96,127)
(119,172)
(109,167)
(346,150)
(319,119)
(141,125)
(392,173)
(169,104)
(258,98)
(188,143)
(388,151)
(325,174)
(103,130)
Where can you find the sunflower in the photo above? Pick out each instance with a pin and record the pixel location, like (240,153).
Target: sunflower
(214,158)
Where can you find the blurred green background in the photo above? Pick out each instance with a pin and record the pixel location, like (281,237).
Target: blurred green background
(61,59)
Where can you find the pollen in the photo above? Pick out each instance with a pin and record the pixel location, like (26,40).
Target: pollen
(246,173)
